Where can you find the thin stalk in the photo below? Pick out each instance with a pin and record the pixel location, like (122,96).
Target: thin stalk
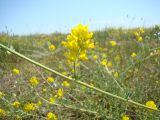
(74,68)
(76,81)
(109,72)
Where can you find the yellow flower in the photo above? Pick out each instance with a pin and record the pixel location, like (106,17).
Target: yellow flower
(2,112)
(50,79)
(140,39)
(59,93)
(141,30)
(136,34)
(34,81)
(83,56)
(44,89)
(81,31)
(52,100)
(1,94)
(91,45)
(113,43)
(104,62)
(133,55)
(64,43)
(71,56)
(16,71)
(78,42)
(116,74)
(16,104)
(125,117)
(65,84)
(95,57)
(39,103)
(29,107)
(51,47)
(109,64)
(51,116)
(151,104)
(64,73)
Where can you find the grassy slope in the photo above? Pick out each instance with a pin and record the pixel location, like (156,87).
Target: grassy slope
(141,81)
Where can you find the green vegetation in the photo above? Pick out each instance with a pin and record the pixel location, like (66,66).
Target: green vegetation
(124,62)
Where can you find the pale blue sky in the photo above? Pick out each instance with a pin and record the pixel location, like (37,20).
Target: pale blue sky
(48,16)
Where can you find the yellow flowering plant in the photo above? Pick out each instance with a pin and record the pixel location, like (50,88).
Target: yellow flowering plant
(151,104)
(52,100)
(66,84)
(51,47)
(51,116)
(125,117)
(133,55)
(2,112)
(138,34)
(95,57)
(29,107)
(16,104)
(34,81)
(77,44)
(113,43)
(50,79)
(16,71)
(59,95)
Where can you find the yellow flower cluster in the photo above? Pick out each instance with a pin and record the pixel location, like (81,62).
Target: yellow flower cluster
(39,103)
(52,100)
(16,104)
(95,57)
(125,117)
(34,81)
(116,74)
(65,84)
(29,107)
(51,47)
(59,93)
(138,34)
(151,104)
(106,63)
(78,42)
(50,79)
(133,55)
(51,116)
(44,89)
(2,112)
(16,71)
(113,43)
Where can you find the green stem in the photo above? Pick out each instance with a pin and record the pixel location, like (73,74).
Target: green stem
(109,72)
(74,68)
(76,81)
